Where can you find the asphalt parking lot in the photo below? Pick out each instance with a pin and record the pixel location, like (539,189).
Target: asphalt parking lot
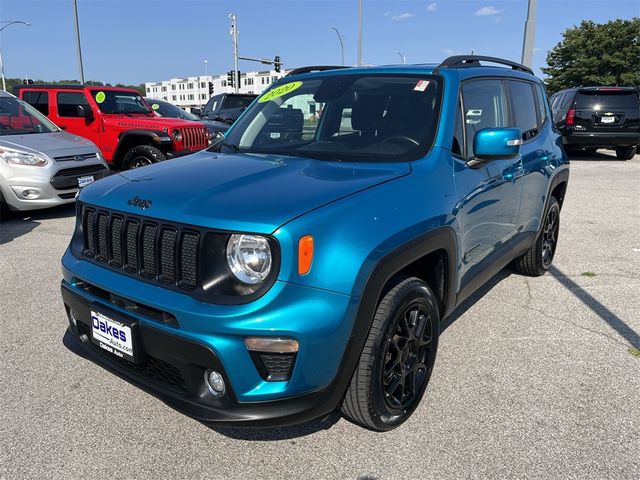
(534,377)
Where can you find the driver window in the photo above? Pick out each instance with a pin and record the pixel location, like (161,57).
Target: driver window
(485,106)
(68,101)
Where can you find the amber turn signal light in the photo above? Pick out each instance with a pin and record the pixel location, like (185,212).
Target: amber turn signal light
(305,254)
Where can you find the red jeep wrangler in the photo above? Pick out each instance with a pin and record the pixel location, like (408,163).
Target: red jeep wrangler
(118,120)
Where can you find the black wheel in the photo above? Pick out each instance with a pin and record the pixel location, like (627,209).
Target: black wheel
(141,156)
(590,150)
(540,256)
(626,153)
(396,362)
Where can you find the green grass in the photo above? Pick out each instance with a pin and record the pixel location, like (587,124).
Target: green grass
(588,274)
(635,352)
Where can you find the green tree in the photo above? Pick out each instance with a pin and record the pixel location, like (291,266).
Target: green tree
(596,54)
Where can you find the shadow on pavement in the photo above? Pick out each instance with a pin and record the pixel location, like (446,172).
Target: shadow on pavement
(16,224)
(597,156)
(598,308)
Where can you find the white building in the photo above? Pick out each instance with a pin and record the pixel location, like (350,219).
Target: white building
(193,92)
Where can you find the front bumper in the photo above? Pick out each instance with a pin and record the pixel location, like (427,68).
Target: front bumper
(602,139)
(212,337)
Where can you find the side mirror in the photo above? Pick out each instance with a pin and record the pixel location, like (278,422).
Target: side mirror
(494,143)
(84,112)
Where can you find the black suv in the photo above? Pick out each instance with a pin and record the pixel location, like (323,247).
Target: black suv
(227,107)
(599,117)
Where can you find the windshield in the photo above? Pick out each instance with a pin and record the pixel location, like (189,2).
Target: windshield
(115,101)
(165,109)
(342,118)
(603,100)
(19,118)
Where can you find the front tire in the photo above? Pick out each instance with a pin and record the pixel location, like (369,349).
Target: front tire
(540,256)
(141,156)
(398,357)
(626,153)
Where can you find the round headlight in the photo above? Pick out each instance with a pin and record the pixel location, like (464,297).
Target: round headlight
(177,135)
(249,258)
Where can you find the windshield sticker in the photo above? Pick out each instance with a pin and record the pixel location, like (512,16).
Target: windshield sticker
(279,91)
(100,97)
(421,86)
(155,106)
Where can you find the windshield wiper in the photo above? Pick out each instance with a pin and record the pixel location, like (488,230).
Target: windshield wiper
(230,145)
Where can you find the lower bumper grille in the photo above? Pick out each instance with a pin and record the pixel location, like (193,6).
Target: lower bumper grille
(67,178)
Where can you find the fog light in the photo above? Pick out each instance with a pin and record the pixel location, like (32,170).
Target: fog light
(214,382)
(30,194)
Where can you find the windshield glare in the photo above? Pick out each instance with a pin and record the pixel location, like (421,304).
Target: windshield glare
(114,101)
(342,118)
(165,109)
(19,118)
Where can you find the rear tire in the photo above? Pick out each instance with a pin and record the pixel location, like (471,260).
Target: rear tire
(398,357)
(540,256)
(141,156)
(626,153)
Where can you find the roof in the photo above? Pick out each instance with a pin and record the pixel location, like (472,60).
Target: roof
(46,86)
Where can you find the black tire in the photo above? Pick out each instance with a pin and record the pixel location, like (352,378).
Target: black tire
(141,156)
(626,153)
(540,256)
(590,150)
(397,358)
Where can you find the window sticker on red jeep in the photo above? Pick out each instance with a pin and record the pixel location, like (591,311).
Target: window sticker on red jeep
(100,97)
(421,86)
(279,91)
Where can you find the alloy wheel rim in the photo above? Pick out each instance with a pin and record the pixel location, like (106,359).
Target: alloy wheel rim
(549,237)
(407,359)
(140,162)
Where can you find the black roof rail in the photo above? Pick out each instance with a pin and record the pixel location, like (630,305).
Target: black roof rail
(315,68)
(460,61)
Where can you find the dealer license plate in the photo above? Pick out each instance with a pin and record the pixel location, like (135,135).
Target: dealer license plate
(111,335)
(84,181)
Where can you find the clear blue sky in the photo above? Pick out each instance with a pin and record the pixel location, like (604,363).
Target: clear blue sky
(149,40)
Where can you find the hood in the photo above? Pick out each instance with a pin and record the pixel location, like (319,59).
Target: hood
(214,126)
(237,192)
(53,145)
(149,122)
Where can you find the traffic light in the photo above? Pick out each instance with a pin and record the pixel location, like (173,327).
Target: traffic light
(276,63)
(27,82)
(210,88)
(230,78)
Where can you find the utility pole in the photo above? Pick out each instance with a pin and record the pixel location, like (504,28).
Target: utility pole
(234,35)
(75,12)
(19,22)
(529,34)
(359,33)
(402,57)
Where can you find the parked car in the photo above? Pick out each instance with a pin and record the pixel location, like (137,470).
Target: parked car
(227,107)
(118,120)
(293,273)
(599,117)
(166,109)
(41,166)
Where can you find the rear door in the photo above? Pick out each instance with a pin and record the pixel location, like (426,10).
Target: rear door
(607,110)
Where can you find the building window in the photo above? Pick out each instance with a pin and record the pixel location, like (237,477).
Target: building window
(190,85)
(173,87)
(191,96)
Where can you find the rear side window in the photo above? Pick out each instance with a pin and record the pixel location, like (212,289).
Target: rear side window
(38,100)
(566,100)
(485,106)
(613,100)
(68,101)
(524,108)
(542,104)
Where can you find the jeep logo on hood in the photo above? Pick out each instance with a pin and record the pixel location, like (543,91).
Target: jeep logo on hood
(139,202)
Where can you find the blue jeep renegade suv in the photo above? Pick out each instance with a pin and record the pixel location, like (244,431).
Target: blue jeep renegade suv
(305,263)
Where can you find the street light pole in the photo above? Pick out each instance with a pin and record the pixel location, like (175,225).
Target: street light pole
(402,57)
(4,85)
(360,33)
(234,35)
(529,34)
(206,68)
(75,13)
(341,43)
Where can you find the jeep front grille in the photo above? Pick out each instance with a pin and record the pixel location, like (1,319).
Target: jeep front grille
(142,247)
(195,138)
